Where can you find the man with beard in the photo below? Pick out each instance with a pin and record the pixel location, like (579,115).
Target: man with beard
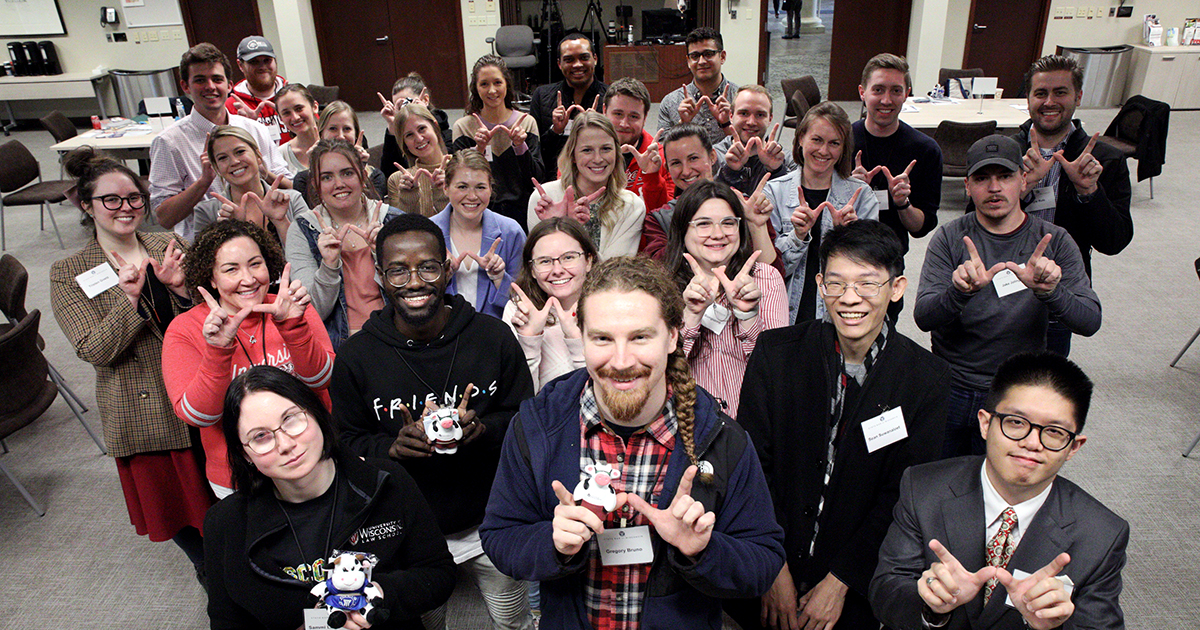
(252,97)
(424,351)
(691,520)
(555,104)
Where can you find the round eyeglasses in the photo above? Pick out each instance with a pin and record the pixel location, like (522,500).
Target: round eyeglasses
(262,441)
(863,289)
(400,276)
(1017,428)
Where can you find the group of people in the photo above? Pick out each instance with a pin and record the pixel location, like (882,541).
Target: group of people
(652,375)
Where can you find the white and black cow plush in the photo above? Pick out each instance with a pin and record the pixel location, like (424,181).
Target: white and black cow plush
(348,588)
(594,490)
(444,430)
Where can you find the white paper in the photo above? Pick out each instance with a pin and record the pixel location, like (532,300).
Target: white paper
(884,429)
(626,545)
(316,619)
(715,318)
(1007,283)
(883,197)
(984,87)
(97,280)
(1068,585)
(488,152)
(909,108)
(567,129)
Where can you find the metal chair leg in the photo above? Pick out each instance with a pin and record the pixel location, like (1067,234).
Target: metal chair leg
(1151,187)
(55,224)
(87,428)
(1192,447)
(1185,348)
(61,383)
(20,488)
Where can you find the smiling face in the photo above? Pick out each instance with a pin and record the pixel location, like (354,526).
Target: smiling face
(208,87)
(628,116)
(688,162)
(751,115)
(260,72)
(340,127)
(1020,469)
(1052,101)
(884,96)
(123,221)
(996,192)
(294,457)
(491,87)
(340,185)
(297,112)
(859,318)
(821,148)
(564,282)
(240,274)
(715,248)
(470,192)
(595,156)
(236,162)
(577,62)
(418,302)
(705,70)
(421,138)
(626,344)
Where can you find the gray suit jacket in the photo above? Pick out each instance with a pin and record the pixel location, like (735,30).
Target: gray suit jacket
(944,500)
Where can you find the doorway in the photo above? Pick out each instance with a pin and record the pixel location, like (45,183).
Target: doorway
(222,23)
(1003,46)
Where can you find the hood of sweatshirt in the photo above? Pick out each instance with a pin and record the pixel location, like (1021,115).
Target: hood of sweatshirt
(381,325)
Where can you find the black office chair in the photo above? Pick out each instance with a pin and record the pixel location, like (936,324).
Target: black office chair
(21,184)
(799,94)
(948,76)
(955,138)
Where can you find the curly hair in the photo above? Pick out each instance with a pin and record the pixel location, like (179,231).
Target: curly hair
(475,102)
(526,279)
(201,259)
(685,209)
(627,274)
(569,172)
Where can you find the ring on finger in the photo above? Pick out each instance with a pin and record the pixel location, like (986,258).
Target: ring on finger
(929,581)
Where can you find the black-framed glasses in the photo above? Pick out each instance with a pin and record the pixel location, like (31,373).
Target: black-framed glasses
(705,227)
(1016,428)
(707,53)
(400,276)
(864,288)
(546,263)
(114,202)
(262,441)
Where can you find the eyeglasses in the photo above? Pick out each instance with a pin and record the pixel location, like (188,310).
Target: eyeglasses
(707,53)
(262,441)
(113,202)
(567,259)
(1017,428)
(863,289)
(399,276)
(704,227)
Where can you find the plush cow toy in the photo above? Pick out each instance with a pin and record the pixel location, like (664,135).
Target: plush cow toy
(348,588)
(594,490)
(444,430)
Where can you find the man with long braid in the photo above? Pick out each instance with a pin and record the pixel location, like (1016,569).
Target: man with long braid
(693,520)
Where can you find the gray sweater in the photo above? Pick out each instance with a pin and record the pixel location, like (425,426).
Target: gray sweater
(976,332)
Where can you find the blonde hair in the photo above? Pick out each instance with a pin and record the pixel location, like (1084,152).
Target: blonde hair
(415,110)
(611,200)
(229,131)
(333,109)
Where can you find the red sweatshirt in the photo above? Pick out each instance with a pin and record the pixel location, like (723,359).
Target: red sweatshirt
(657,188)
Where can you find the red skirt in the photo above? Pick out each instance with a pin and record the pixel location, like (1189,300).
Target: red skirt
(165,491)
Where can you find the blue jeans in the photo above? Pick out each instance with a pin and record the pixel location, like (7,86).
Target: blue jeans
(962,423)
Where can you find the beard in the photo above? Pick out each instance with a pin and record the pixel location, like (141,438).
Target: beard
(418,318)
(623,405)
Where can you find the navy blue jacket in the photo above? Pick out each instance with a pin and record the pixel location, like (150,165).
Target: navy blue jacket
(742,559)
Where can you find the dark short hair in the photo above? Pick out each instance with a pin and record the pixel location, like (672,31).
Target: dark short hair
(703,34)
(629,87)
(203,52)
(566,225)
(685,130)
(1046,369)
(685,209)
(1055,63)
(886,61)
(267,378)
(409,222)
(572,36)
(867,242)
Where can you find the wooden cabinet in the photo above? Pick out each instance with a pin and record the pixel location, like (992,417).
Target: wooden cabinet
(662,68)
(1170,74)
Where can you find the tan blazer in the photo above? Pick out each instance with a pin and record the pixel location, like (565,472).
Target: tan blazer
(126,349)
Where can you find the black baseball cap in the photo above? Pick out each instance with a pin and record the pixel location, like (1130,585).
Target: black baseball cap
(994,149)
(255,46)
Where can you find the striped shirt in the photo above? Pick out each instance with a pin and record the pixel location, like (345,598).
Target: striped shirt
(719,361)
(614,594)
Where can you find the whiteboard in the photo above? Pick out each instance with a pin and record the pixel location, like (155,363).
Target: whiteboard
(23,18)
(151,13)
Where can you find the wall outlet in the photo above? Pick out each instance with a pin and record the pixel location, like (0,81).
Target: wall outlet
(164,35)
(491,6)
(493,19)
(1068,13)
(153,35)
(471,6)
(1081,12)
(137,37)
(1092,12)
(178,34)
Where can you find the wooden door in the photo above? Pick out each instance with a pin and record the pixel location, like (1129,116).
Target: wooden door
(355,42)
(222,23)
(1004,37)
(429,40)
(862,30)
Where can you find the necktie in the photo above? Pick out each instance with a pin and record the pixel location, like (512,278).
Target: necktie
(1000,548)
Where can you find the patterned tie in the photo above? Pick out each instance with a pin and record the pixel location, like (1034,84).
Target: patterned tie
(1000,549)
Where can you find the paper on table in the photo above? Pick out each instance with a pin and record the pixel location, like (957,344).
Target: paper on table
(909,108)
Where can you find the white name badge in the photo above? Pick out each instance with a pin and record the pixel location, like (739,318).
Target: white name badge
(97,280)
(567,129)
(488,151)
(626,545)
(316,619)
(883,197)
(1007,282)
(1044,199)
(1068,585)
(884,429)
(715,317)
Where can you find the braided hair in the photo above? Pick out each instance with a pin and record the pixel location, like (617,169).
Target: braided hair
(627,274)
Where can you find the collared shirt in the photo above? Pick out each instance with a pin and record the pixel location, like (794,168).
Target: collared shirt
(175,159)
(994,505)
(614,594)
(668,110)
(1053,175)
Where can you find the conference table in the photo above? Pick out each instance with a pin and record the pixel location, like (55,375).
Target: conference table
(1009,113)
(56,86)
(130,143)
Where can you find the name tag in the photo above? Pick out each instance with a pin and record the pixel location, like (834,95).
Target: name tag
(567,129)
(1044,198)
(715,318)
(626,545)
(97,280)
(1007,283)
(316,619)
(884,429)
(1068,585)
(488,151)
(883,197)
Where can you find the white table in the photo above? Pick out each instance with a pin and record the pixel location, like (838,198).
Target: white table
(40,88)
(1004,111)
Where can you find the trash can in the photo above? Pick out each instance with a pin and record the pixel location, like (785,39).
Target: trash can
(1104,71)
(131,86)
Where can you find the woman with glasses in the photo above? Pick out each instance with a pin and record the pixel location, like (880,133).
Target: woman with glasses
(235,157)
(300,497)
(238,323)
(332,246)
(419,187)
(730,297)
(483,246)
(558,256)
(119,330)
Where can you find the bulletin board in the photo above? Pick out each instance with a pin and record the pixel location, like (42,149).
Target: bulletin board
(26,18)
(139,13)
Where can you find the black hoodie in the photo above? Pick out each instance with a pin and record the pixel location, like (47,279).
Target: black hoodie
(379,369)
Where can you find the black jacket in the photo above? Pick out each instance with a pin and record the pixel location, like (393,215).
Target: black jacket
(379,511)
(542,103)
(785,409)
(1151,151)
(378,369)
